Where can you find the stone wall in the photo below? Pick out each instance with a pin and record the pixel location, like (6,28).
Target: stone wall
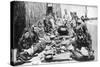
(34,12)
(57,9)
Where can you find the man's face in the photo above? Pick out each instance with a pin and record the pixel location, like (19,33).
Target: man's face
(74,23)
(65,11)
(71,14)
(35,29)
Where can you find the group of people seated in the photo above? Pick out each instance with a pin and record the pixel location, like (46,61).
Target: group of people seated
(57,32)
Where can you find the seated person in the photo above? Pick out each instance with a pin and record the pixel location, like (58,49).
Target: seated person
(82,55)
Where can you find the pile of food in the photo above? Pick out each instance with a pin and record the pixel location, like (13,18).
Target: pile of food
(47,40)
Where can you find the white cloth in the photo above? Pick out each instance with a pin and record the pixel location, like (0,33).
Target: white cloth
(84,51)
